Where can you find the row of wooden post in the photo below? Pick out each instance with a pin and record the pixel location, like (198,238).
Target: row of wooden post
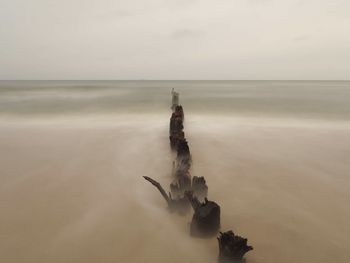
(186,192)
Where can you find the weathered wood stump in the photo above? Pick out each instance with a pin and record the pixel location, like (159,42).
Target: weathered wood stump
(177,204)
(206,218)
(199,188)
(183,158)
(176,133)
(175,99)
(180,186)
(232,247)
(183,150)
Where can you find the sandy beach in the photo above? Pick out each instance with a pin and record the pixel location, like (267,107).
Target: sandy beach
(72,190)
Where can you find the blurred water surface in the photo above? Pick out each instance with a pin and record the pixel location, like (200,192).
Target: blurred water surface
(275,155)
(310,99)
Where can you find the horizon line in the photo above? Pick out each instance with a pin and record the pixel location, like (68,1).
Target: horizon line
(174,79)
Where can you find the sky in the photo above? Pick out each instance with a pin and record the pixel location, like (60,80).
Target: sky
(175,39)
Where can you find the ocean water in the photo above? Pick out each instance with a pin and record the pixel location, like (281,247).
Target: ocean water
(275,155)
(310,99)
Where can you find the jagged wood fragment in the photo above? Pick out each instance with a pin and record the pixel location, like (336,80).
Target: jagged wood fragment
(199,187)
(178,204)
(159,187)
(232,248)
(175,99)
(176,132)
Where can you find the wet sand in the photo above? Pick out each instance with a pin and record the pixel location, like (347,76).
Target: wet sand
(72,190)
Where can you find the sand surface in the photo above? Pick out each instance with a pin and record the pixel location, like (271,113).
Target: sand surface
(72,190)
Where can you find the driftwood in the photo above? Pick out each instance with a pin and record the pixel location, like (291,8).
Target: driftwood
(232,248)
(206,218)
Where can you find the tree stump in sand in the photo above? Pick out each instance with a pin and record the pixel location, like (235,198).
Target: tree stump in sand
(206,218)
(232,248)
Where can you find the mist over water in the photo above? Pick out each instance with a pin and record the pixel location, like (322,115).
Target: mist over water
(312,99)
(275,155)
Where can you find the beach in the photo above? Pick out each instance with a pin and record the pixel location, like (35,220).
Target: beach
(73,155)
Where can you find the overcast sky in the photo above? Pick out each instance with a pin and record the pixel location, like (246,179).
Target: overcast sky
(175,39)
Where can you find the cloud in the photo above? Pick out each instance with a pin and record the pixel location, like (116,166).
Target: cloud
(113,14)
(186,33)
(301,38)
(180,38)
